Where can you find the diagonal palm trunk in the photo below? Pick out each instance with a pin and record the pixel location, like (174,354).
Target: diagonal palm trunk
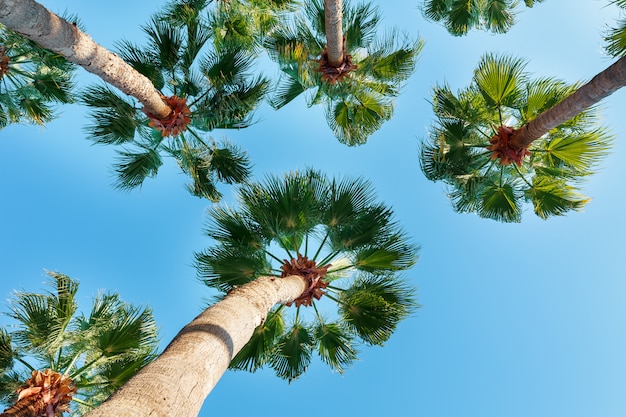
(333,16)
(601,86)
(38,24)
(179,380)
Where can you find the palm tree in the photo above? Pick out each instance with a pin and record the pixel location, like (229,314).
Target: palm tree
(460,16)
(328,229)
(32,79)
(35,22)
(358,95)
(508,138)
(616,37)
(55,359)
(212,89)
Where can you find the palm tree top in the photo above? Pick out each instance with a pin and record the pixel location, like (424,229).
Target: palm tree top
(472,146)
(329,231)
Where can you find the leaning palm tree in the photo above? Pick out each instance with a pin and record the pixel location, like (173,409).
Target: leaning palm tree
(32,80)
(461,16)
(329,231)
(56,359)
(358,95)
(212,89)
(508,138)
(35,22)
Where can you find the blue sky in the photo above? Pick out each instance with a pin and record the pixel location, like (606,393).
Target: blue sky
(517,320)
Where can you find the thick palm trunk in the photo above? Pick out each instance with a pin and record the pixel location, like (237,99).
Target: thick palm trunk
(602,85)
(333,15)
(179,380)
(36,23)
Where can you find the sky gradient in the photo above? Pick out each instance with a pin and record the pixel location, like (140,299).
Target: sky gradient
(517,320)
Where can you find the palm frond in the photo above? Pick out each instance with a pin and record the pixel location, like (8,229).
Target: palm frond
(501,202)
(133,168)
(115,119)
(554,197)
(258,351)
(334,345)
(293,352)
(498,79)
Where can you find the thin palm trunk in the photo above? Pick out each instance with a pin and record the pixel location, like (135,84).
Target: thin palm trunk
(602,85)
(333,15)
(38,24)
(179,380)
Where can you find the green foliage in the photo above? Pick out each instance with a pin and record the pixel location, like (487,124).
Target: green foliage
(616,36)
(215,80)
(357,105)
(461,16)
(33,80)
(336,222)
(501,93)
(99,351)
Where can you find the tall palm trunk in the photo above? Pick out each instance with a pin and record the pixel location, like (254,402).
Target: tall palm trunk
(333,17)
(602,85)
(179,380)
(38,24)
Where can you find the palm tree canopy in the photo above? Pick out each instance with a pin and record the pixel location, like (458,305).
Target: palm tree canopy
(616,37)
(461,16)
(97,352)
(503,97)
(212,87)
(357,102)
(305,223)
(32,80)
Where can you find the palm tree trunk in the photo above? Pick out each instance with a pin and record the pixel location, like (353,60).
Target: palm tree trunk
(602,85)
(333,15)
(38,24)
(179,380)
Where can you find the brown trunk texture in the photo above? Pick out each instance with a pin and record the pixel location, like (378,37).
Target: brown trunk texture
(38,24)
(333,15)
(602,85)
(179,380)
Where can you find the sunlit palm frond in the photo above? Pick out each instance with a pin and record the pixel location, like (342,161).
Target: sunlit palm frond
(292,353)
(554,197)
(498,78)
(501,202)
(579,151)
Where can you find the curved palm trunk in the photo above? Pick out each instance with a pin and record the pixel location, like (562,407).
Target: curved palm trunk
(38,24)
(179,380)
(602,85)
(333,15)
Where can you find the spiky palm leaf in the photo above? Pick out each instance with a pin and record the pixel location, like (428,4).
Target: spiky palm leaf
(502,94)
(336,222)
(97,352)
(32,80)
(215,83)
(461,16)
(616,36)
(358,104)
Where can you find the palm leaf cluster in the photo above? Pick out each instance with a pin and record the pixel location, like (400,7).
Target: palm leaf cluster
(99,352)
(616,37)
(336,222)
(503,94)
(221,94)
(461,16)
(360,103)
(32,80)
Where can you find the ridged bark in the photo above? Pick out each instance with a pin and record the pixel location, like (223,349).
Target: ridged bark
(38,24)
(333,17)
(179,380)
(602,85)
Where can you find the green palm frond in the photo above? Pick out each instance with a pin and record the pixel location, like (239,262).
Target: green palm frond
(554,197)
(133,168)
(498,17)
(292,354)
(334,345)
(115,120)
(500,202)
(6,351)
(339,225)
(498,79)
(374,305)
(579,151)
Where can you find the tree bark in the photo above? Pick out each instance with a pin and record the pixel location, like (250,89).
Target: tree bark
(38,24)
(602,85)
(179,380)
(333,15)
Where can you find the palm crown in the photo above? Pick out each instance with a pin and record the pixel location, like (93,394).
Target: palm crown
(502,97)
(359,101)
(460,16)
(209,88)
(32,80)
(90,355)
(331,230)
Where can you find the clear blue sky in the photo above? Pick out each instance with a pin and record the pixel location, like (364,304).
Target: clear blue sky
(517,320)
